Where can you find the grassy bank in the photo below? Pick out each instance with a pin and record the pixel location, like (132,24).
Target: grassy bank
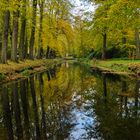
(125,67)
(13,71)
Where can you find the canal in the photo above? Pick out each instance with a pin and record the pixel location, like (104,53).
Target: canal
(70,102)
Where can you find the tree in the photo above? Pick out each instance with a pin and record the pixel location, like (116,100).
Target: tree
(40,45)
(125,15)
(117,21)
(32,38)
(15,31)
(137,43)
(57,29)
(101,24)
(6,17)
(22,31)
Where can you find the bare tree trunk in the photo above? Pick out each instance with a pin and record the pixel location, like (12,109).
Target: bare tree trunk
(15,37)
(41,5)
(104,46)
(5,36)
(22,32)
(137,43)
(32,39)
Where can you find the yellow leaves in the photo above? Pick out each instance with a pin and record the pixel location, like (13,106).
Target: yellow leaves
(14,5)
(66,29)
(130,33)
(4,5)
(122,12)
(62,44)
(132,47)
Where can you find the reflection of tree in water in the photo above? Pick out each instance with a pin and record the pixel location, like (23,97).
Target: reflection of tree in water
(35,108)
(60,90)
(58,121)
(42,103)
(137,94)
(42,106)
(43,113)
(25,108)
(17,111)
(7,113)
(57,114)
(53,124)
(117,117)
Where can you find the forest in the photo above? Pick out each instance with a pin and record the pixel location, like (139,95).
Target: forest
(36,29)
(70,69)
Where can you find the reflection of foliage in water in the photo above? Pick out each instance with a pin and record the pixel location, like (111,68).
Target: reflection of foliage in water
(39,106)
(116,110)
(68,102)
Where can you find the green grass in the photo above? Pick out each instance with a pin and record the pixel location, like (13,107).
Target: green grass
(117,65)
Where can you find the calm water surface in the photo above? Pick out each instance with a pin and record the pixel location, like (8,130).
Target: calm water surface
(70,102)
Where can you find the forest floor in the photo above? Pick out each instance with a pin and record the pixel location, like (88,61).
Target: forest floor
(116,66)
(13,71)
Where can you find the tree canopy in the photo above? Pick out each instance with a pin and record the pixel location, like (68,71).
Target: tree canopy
(51,28)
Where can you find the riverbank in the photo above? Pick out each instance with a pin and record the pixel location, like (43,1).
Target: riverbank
(122,67)
(13,71)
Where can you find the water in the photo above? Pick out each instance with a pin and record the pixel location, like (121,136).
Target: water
(70,102)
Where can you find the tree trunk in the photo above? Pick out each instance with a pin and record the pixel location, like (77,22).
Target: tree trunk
(137,43)
(35,107)
(15,37)
(124,40)
(137,98)
(32,39)
(7,113)
(41,5)
(104,85)
(104,46)
(25,107)
(22,32)
(48,51)
(5,36)
(17,112)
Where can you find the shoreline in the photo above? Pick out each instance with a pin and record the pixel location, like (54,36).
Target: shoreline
(15,71)
(130,68)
